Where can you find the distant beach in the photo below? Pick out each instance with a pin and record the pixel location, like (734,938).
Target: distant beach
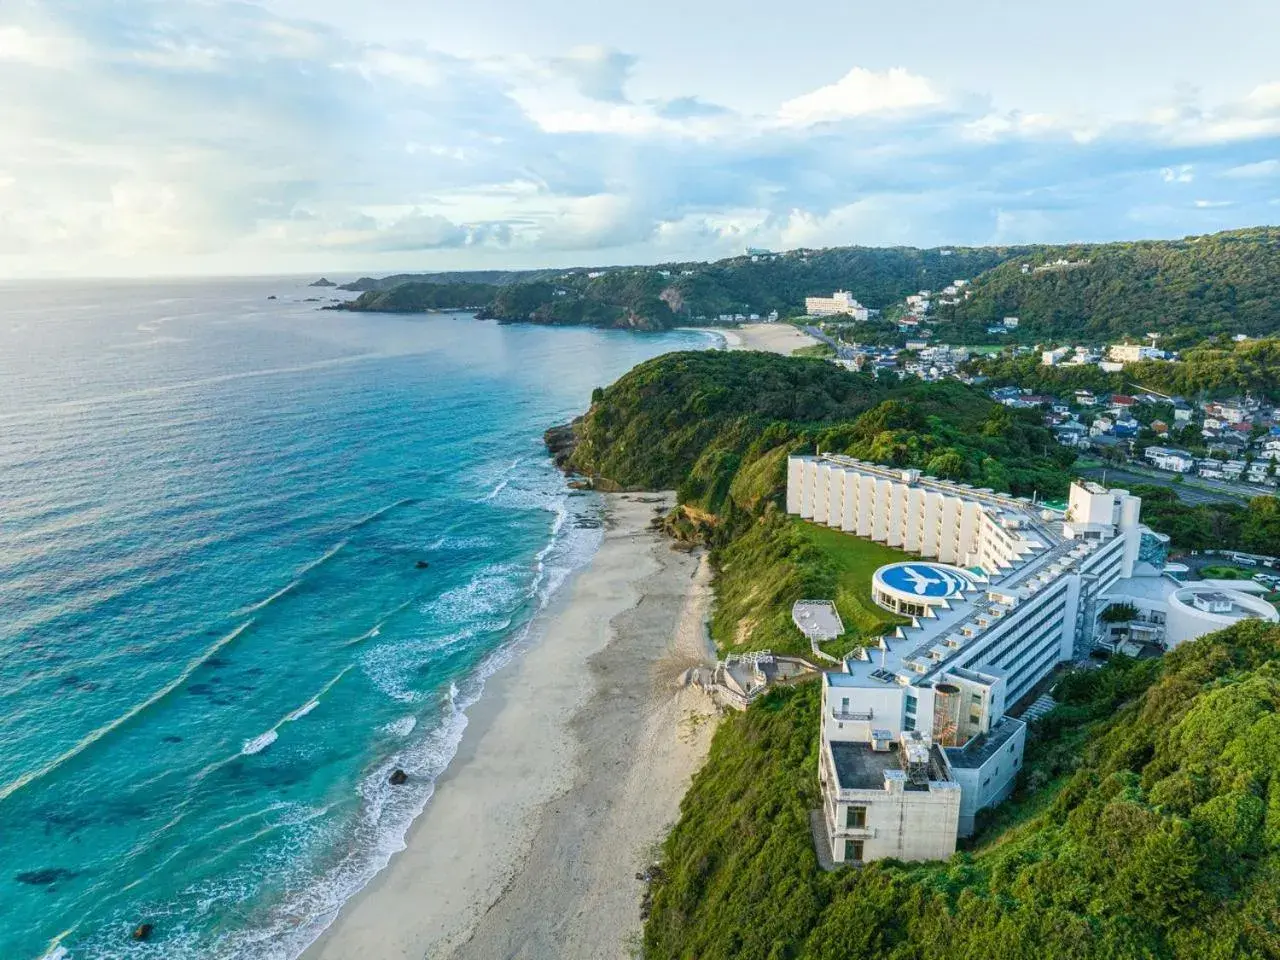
(569,774)
(769,337)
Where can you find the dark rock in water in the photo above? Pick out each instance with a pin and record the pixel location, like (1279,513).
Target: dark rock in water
(324,282)
(171,738)
(42,878)
(142,931)
(272,297)
(398,777)
(561,442)
(421,565)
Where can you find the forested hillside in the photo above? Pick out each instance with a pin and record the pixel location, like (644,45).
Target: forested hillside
(1214,369)
(1146,825)
(662,296)
(1186,289)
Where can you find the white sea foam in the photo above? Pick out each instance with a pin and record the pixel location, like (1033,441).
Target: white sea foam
(296,582)
(96,735)
(302,711)
(402,727)
(259,743)
(492,600)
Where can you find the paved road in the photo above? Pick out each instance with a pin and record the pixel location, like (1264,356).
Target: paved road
(841,351)
(1190,492)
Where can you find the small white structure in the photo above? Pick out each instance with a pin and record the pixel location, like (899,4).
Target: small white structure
(817,619)
(888,797)
(1204,608)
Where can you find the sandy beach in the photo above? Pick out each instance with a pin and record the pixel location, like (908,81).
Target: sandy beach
(569,774)
(770,337)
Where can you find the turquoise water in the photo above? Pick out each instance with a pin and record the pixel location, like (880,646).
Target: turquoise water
(215,642)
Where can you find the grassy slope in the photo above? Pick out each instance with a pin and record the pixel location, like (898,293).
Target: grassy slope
(782,560)
(1147,824)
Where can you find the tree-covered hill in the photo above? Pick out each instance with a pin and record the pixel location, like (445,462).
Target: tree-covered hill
(1187,289)
(658,297)
(718,427)
(1219,368)
(418,297)
(1146,825)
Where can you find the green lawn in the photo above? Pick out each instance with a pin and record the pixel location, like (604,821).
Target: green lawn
(784,559)
(855,560)
(1224,571)
(819,350)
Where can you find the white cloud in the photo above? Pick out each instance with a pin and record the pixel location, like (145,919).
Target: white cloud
(19,45)
(176,137)
(597,72)
(858,93)
(1252,171)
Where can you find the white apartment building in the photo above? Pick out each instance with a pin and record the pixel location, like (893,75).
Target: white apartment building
(1012,592)
(1133,352)
(1051,358)
(840,302)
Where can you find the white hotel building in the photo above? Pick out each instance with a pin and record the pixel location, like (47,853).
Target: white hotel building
(915,740)
(840,302)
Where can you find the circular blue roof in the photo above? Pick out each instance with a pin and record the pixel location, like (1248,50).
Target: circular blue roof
(929,580)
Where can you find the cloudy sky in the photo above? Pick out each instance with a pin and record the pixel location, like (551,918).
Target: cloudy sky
(190,137)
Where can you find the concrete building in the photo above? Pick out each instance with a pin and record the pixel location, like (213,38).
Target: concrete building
(841,302)
(915,735)
(1133,352)
(1164,613)
(1013,588)
(1051,358)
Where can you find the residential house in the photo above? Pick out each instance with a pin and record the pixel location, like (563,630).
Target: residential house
(1167,458)
(1120,404)
(1073,433)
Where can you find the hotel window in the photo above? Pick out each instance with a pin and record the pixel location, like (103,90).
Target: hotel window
(909,723)
(855,818)
(911,705)
(853,851)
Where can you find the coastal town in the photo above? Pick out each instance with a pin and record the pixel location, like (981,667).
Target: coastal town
(1234,439)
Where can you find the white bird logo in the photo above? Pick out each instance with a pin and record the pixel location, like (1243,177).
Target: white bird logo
(919,580)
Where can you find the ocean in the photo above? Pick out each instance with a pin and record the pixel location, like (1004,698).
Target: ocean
(217,636)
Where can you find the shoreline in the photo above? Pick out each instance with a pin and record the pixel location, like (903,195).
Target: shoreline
(781,338)
(570,771)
